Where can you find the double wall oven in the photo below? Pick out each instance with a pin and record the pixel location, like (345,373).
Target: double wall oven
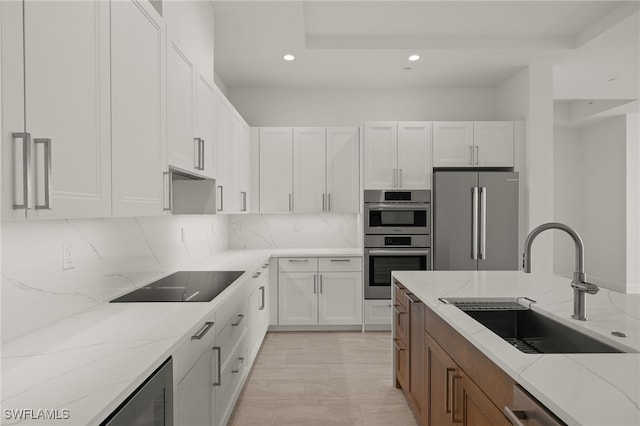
(397,228)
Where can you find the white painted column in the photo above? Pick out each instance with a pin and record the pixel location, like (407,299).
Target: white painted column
(633,203)
(539,158)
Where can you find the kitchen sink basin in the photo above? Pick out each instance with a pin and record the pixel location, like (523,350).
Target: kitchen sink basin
(530,331)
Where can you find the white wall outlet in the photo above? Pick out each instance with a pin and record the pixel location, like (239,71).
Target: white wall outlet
(67,257)
(295,228)
(341,227)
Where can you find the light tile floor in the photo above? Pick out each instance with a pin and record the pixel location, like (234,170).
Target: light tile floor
(323,378)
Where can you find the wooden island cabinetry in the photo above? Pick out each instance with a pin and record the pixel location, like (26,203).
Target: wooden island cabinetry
(446,380)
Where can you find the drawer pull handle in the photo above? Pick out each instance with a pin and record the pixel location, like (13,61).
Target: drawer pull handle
(514,416)
(237,323)
(266,265)
(256,275)
(205,328)
(341,260)
(219,372)
(239,366)
(298,260)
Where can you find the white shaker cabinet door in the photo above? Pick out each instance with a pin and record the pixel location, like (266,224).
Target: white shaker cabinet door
(206,124)
(453,144)
(493,142)
(138,99)
(57,90)
(194,400)
(343,170)
(309,168)
(182,147)
(414,155)
(340,298)
(380,155)
(276,159)
(297,298)
(224,135)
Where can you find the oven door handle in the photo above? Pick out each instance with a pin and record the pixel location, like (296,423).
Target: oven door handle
(401,252)
(405,206)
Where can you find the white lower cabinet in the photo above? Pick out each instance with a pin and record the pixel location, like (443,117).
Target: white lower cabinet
(320,291)
(259,311)
(195,394)
(377,312)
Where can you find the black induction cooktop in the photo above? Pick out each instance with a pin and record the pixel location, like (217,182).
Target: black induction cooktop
(183,286)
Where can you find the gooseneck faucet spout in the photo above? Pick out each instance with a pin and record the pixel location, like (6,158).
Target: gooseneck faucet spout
(579,284)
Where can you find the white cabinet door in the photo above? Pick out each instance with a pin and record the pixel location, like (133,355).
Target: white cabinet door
(194,398)
(414,155)
(258,316)
(57,90)
(343,170)
(309,168)
(224,133)
(493,142)
(244,168)
(380,154)
(276,159)
(206,125)
(137,109)
(297,298)
(453,144)
(182,147)
(340,298)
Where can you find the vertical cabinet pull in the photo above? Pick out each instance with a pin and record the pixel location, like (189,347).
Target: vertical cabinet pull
(26,170)
(399,178)
(220,198)
(290,202)
(218,380)
(470,155)
(198,153)
(324,207)
(243,207)
(261,298)
(393,178)
(483,223)
(166,176)
(47,174)
(320,283)
(474,224)
(201,154)
(329,202)
(314,284)
(477,156)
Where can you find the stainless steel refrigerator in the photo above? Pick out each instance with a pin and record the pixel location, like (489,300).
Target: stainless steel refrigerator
(475,216)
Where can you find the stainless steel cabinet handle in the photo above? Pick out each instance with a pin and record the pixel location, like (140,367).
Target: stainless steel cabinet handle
(205,328)
(399,178)
(483,223)
(256,275)
(514,416)
(329,202)
(262,291)
(314,284)
(341,260)
(244,201)
(26,170)
(239,366)
(320,283)
(47,174)
(218,381)
(201,154)
(298,260)
(393,178)
(324,207)
(290,202)
(471,155)
(266,265)
(167,184)
(377,252)
(474,224)
(196,153)
(221,198)
(477,156)
(237,323)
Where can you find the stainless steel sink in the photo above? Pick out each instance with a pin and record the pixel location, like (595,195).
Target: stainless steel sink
(527,330)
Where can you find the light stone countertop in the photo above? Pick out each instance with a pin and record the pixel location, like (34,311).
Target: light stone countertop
(586,389)
(90,362)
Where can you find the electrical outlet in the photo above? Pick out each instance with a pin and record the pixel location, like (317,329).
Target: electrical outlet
(341,227)
(67,257)
(295,227)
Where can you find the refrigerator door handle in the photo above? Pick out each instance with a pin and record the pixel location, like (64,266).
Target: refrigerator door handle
(483,223)
(474,224)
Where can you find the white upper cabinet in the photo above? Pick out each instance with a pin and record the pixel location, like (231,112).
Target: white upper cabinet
(55,109)
(414,155)
(138,110)
(473,144)
(397,155)
(343,170)
(380,154)
(453,144)
(243,153)
(493,143)
(276,169)
(206,124)
(309,170)
(224,134)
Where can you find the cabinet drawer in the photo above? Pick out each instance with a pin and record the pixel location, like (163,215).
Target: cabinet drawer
(259,275)
(401,354)
(399,296)
(298,264)
(200,337)
(402,324)
(232,332)
(339,264)
(229,380)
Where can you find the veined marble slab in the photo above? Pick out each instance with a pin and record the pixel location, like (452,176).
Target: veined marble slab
(585,389)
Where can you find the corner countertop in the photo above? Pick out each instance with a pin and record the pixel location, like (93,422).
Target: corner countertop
(586,389)
(90,362)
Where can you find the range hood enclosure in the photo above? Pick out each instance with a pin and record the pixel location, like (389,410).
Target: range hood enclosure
(192,194)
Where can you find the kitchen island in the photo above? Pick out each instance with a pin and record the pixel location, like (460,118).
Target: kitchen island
(589,389)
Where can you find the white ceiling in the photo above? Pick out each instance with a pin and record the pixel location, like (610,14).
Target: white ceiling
(366,44)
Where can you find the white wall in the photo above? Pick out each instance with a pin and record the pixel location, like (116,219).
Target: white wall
(590,193)
(112,256)
(277,231)
(349,107)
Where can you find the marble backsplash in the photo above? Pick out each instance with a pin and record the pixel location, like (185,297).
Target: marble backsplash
(294,231)
(111,257)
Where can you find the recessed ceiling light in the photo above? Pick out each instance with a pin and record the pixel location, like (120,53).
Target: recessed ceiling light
(288,57)
(414,57)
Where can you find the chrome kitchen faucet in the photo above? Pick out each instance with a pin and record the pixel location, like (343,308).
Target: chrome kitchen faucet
(579,283)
